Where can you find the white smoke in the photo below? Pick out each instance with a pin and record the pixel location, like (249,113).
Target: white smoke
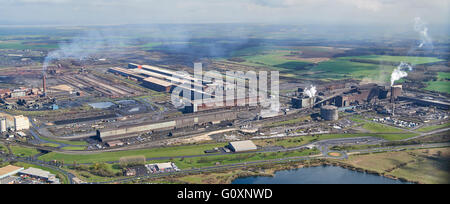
(400,72)
(84,46)
(421,27)
(311,92)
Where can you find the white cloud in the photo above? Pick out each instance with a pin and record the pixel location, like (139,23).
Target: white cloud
(370,5)
(264,11)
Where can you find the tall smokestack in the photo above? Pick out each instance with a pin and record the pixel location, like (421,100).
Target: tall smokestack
(393,100)
(392,94)
(44,85)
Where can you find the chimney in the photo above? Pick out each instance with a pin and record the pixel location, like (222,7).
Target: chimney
(392,94)
(44,85)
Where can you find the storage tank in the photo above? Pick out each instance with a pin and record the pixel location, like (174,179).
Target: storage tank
(329,113)
(2,125)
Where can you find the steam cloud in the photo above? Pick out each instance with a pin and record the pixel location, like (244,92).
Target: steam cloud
(421,27)
(426,42)
(400,72)
(311,92)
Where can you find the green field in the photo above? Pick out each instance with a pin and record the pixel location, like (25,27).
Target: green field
(338,68)
(199,162)
(442,84)
(397,59)
(342,69)
(17,45)
(394,137)
(23,151)
(148,153)
(303,140)
(73,148)
(49,145)
(275,59)
(380,128)
(433,127)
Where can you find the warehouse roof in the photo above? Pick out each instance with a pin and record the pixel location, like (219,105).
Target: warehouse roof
(167,72)
(37,172)
(9,169)
(167,165)
(165,77)
(243,145)
(158,81)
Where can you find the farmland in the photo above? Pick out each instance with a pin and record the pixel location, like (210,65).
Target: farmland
(397,59)
(304,62)
(442,84)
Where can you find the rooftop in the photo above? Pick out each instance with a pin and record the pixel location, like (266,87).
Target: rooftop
(247,144)
(167,165)
(8,169)
(158,81)
(37,172)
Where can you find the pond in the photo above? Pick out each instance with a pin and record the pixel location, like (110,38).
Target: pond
(318,175)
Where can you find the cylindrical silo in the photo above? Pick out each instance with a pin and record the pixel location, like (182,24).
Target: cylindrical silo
(329,113)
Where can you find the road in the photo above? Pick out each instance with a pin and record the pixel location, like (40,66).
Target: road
(36,162)
(427,134)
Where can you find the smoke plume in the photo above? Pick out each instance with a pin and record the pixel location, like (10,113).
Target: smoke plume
(400,72)
(311,92)
(421,27)
(84,46)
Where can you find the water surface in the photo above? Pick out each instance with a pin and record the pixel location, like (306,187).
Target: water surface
(318,175)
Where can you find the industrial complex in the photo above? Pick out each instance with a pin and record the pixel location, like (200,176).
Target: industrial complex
(119,123)
(222,107)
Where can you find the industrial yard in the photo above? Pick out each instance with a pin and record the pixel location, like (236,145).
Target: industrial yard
(110,117)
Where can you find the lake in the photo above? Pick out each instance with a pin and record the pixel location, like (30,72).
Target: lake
(318,175)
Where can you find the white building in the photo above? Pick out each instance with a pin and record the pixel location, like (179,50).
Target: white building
(242,146)
(40,174)
(21,123)
(3,125)
(164,166)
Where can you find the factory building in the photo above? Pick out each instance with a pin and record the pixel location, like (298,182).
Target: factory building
(396,91)
(164,166)
(21,123)
(115,143)
(329,113)
(158,85)
(3,127)
(242,146)
(39,174)
(159,79)
(164,80)
(426,102)
(303,102)
(126,73)
(166,125)
(203,105)
(18,93)
(361,94)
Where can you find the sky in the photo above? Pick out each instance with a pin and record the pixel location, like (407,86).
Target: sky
(300,12)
